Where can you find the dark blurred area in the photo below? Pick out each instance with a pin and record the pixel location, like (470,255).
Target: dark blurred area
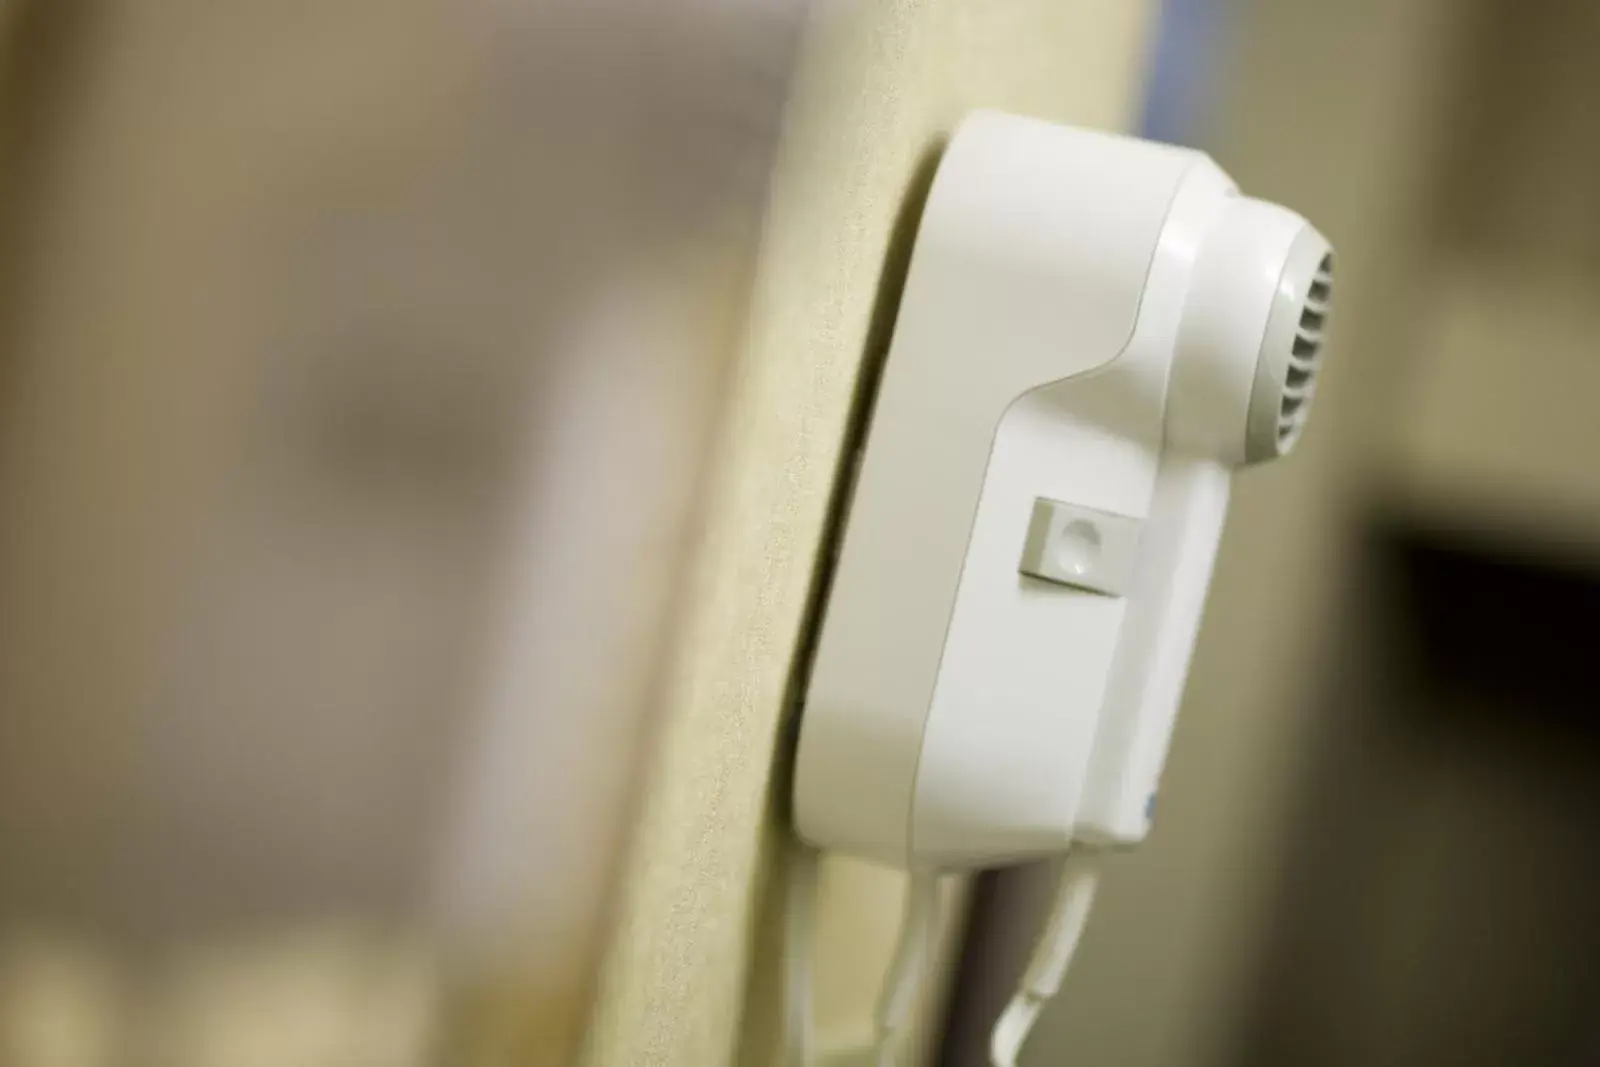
(1441,897)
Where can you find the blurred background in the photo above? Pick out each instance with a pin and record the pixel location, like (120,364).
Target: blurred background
(357,367)
(1379,840)
(360,369)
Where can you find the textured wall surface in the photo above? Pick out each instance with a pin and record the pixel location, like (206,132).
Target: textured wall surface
(879,87)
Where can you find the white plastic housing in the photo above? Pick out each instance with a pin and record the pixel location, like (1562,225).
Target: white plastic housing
(1073,375)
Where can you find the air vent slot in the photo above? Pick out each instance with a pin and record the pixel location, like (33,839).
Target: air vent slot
(1300,375)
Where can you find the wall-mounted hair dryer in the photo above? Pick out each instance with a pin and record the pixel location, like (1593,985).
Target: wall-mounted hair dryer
(1094,333)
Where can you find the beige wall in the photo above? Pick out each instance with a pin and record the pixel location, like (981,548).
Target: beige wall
(879,87)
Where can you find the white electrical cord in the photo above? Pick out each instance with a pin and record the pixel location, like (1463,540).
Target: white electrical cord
(1052,955)
(901,982)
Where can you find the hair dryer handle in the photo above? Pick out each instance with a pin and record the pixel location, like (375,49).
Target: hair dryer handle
(1178,549)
